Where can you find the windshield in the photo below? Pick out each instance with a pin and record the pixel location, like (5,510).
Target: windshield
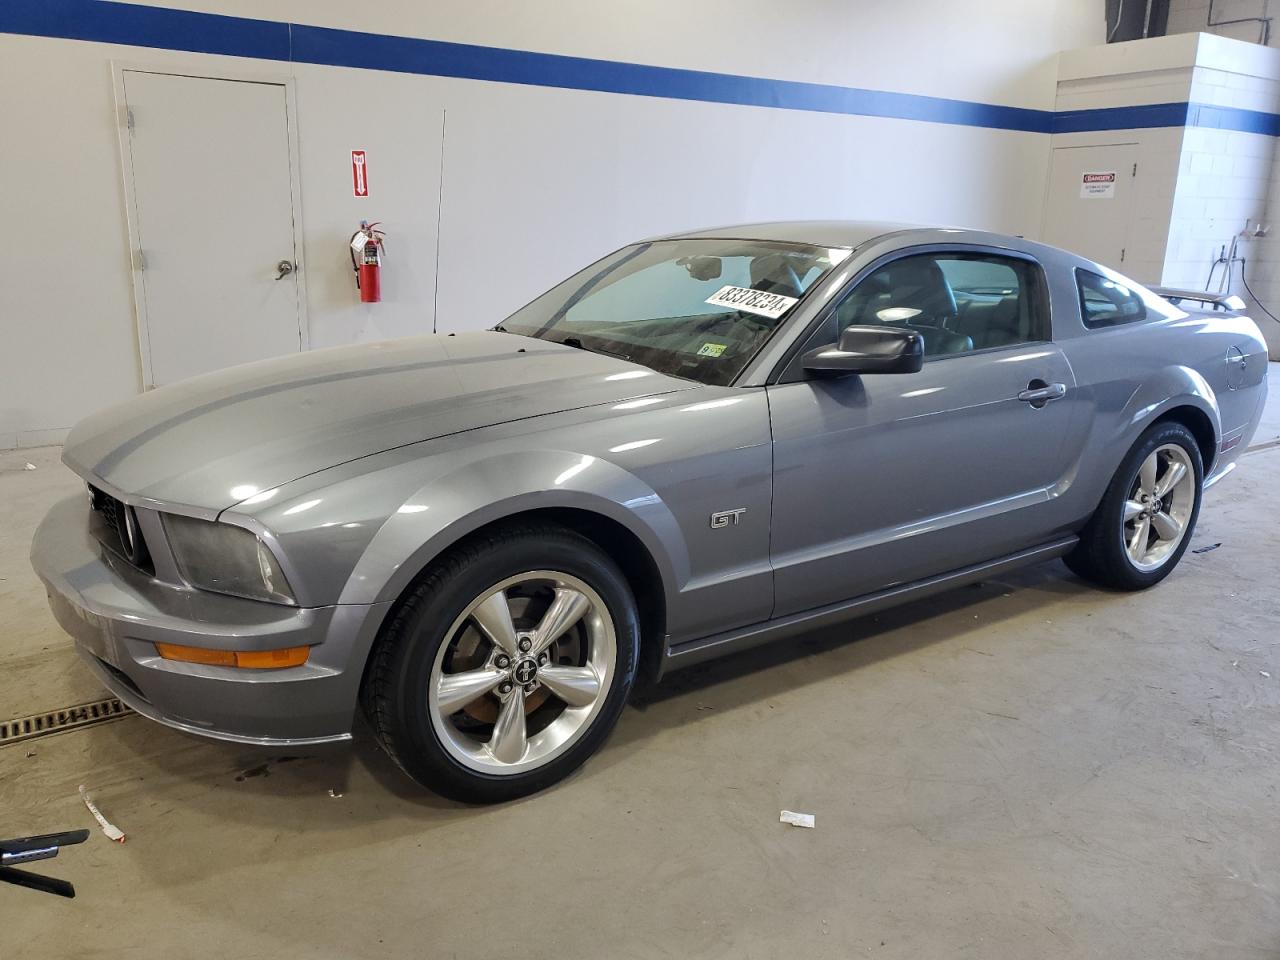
(698,309)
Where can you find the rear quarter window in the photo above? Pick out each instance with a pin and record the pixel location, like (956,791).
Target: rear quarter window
(1108,303)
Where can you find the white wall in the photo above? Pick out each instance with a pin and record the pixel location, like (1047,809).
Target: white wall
(999,51)
(649,166)
(1200,185)
(1262,268)
(1139,73)
(1227,185)
(1225,175)
(537,181)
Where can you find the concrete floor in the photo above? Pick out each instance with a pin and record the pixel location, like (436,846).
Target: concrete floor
(1026,768)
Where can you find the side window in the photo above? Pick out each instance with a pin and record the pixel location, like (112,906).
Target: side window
(1105,303)
(957,302)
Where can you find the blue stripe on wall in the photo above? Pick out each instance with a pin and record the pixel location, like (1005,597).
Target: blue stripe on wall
(106,21)
(142,26)
(436,58)
(1121,118)
(1233,118)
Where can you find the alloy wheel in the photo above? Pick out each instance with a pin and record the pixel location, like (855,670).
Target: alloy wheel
(523,672)
(1159,507)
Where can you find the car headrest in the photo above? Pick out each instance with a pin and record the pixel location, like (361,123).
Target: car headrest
(773,273)
(918,282)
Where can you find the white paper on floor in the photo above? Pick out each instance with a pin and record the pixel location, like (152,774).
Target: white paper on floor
(797,819)
(110,829)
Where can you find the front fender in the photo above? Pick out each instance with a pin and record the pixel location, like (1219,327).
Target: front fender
(455,503)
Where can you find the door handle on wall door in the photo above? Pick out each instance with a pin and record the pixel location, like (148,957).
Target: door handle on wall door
(283,269)
(1038,393)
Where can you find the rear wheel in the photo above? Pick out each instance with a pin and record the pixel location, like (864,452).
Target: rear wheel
(507,666)
(1144,523)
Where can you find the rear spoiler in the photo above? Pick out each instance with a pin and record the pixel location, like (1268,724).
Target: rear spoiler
(1214,301)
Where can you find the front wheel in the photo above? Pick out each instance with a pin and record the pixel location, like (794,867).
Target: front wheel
(1144,523)
(507,666)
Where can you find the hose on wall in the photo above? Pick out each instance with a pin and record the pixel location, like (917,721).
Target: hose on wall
(1249,290)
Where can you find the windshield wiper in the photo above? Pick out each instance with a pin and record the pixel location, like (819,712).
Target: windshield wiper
(578,344)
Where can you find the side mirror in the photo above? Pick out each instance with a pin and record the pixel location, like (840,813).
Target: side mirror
(868,349)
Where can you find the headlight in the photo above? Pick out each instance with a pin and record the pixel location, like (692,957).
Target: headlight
(226,559)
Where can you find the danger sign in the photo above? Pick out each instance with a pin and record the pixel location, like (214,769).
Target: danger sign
(1099,185)
(359,174)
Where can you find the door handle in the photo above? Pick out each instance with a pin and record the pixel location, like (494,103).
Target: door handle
(283,269)
(1038,393)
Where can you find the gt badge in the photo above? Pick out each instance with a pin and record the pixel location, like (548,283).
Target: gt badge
(726,518)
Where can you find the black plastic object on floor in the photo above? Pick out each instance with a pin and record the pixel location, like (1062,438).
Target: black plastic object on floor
(29,849)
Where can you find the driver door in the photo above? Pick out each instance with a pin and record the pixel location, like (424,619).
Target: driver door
(883,479)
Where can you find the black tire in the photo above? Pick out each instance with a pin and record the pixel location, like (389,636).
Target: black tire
(1101,556)
(400,666)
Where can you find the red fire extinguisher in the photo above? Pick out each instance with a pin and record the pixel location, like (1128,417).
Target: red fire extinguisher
(366,260)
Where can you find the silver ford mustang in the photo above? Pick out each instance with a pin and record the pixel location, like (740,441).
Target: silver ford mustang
(700,443)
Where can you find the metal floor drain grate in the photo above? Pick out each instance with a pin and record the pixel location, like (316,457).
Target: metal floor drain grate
(56,721)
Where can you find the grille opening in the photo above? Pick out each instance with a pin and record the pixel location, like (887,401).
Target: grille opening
(66,718)
(116,527)
(126,681)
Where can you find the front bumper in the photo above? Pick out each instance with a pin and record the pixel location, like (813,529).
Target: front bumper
(116,613)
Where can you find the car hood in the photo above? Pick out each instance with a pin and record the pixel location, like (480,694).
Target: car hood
(214,440)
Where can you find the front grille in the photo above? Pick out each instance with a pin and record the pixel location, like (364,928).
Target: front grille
(112,511)
(113,529)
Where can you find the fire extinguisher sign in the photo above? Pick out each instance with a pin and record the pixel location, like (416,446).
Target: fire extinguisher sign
(359,174)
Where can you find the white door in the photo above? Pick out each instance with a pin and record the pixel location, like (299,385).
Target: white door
(1089,203)
(213,218)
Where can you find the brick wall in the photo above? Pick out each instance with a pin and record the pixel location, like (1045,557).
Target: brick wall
(1224,177)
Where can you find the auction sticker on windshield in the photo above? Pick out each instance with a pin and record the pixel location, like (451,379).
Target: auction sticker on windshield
(771,305)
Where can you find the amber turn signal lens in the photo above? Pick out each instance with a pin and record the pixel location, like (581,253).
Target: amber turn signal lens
(245,659)
(261,659)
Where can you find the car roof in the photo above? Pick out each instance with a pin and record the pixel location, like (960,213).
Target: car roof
(826,233)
